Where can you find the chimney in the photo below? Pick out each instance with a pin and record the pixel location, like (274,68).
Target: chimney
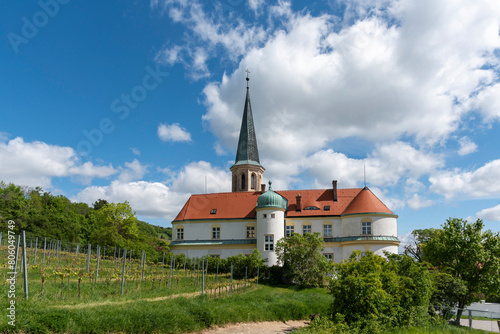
(334,184)
(263,187)
(298,199)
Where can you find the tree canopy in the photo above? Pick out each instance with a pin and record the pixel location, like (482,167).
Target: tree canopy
(469,254)
(372,292)
(107,224)
(302,261)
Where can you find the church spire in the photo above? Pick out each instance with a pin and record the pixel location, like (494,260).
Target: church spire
(247,170)
(248,151)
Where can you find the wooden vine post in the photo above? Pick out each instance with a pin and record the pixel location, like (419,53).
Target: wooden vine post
(123,270)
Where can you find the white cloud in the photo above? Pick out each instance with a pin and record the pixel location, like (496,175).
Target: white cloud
(492,214)
(488,102)
(256,5)
(417,202)
(387,165)
(173,133)
(132,171)
(148,199)
(36,163)
(405,240)
(467,146)
(374,79)
(219,150)
(481,183)
(88,171)
(160,200)
(206,32)
(136,151)
(191,179)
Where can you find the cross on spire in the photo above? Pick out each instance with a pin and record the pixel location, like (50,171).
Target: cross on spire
(248,79)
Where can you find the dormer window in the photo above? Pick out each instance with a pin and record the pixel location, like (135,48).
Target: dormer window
(213,211)
(311,208)
(326,208)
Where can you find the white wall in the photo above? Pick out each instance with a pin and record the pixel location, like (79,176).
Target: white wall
(274,226)
(224,253)
(203,231)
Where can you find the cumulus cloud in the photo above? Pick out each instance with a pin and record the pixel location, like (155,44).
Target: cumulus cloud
(173,133)
(148,199)
(36,163)
(133,171)
(157,199)
(490,213)
(480,183)
(417,202)
(467,146)
(387,165)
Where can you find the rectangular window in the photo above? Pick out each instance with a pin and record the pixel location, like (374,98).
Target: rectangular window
(329,256)
(289,229)
(215,232)
(273,215)
(264,215)
(213,211)
(250,232)
(269,242)
(327,230)
(366,228)
(180,234)
(306,229)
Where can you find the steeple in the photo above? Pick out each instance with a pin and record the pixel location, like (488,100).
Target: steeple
(247,170)
(248,151)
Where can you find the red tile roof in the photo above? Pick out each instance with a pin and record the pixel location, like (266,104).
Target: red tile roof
(366,202)
(239,205)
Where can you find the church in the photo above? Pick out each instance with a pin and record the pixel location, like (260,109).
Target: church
(253,217)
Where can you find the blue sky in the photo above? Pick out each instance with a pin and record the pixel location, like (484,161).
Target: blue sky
(142,101)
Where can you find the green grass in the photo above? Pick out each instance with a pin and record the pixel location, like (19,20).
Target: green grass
(178,315)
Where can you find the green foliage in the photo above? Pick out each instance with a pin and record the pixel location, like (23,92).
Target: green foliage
(174,315)
(56,217)
(302,261)
(373,292)
(470,255)
(448,290)
(114,224)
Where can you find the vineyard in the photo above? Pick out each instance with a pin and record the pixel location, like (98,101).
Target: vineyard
(62,274)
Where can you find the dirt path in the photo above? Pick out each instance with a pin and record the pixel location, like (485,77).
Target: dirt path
(268,327)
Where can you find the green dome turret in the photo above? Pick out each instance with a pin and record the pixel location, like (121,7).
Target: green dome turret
(271,199)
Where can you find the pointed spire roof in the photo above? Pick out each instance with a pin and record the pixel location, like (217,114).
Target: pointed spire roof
(247,152)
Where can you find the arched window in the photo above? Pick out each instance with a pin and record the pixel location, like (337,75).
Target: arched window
(243,181)
(253,181)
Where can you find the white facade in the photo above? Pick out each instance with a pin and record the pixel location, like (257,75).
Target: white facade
(346,235)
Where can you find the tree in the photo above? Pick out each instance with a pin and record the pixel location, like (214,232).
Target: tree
(414,248)
(372,292)
(469,254)
(114,225)
(99,204)
(13,204)
(301,257)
